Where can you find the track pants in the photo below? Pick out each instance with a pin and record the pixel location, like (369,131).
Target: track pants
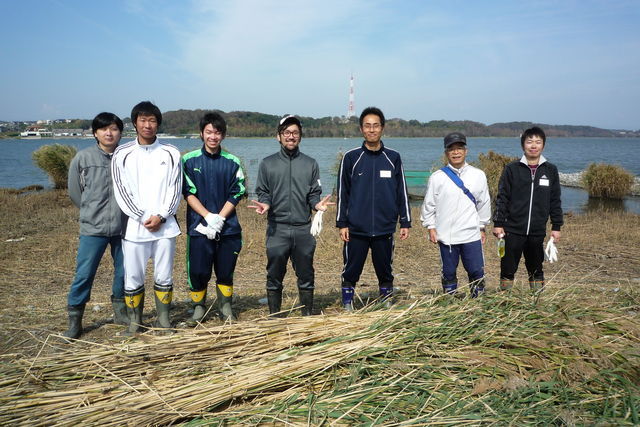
(286,241)
(515,246)
(204,254)
(90,251)
(354,254)
(136,255)
(472,260)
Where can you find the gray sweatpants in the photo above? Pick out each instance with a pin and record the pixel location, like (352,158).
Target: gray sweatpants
(290,241)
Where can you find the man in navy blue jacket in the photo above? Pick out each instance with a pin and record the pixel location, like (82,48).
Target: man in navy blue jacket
(213,185)
(372,198)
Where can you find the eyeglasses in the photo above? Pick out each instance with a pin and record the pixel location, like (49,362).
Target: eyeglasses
(369,126)
(288,133)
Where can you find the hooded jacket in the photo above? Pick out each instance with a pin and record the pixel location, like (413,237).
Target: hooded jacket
(525,203)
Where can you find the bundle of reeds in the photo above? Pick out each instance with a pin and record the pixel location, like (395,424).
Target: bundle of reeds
(502,358)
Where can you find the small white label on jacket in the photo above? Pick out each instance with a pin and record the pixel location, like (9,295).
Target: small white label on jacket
(544,182)
(385,174)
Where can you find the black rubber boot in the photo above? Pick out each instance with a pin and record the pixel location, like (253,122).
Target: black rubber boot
(386,293)
(75,321)
(274,299)
(306,300)
(348,290)
(225,300)
(477,288)
(135,305)
(199,299)
(163,296)
(120,316)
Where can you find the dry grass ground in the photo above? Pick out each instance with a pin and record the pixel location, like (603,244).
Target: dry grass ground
(38,243)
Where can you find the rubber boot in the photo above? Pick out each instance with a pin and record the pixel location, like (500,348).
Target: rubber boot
(135,304)
(163,296)
(477,288)
(506,284)
(306,300)
(120,316)
(536,285)
(274,299)
(75,321)
(348,290)
(449,288)
(199,307)
(225,299)
(386,294)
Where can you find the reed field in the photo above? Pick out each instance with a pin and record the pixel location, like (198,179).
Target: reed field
(567,356)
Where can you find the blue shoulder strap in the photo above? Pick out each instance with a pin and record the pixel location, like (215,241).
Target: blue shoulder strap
(456,179)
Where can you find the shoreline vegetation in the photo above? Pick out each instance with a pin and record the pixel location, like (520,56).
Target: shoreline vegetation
(567,356)
(243,124)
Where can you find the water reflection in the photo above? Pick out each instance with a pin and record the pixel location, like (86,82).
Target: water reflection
(599,204)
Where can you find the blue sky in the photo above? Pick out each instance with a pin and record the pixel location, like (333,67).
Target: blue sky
(556,62)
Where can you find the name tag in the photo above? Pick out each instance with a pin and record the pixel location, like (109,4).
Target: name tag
(385,174)
(544,182)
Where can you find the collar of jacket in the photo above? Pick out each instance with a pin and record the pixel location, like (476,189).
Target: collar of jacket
(104,153)
(208,154)
(523,159)
(153,146)
(286,153)
(458,171)
(377,152)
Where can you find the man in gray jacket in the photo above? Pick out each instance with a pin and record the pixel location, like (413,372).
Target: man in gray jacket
(90,189)
(288,188)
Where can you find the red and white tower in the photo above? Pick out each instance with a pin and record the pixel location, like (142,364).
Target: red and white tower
(351,112)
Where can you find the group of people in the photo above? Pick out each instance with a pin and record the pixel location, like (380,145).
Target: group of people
(129,195)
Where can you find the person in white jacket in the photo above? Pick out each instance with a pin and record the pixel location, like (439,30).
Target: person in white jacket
(456,209)
(147,178)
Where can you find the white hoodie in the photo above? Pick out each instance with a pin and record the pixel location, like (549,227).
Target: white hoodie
(451,212)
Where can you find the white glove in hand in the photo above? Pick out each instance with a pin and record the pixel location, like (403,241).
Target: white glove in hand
(316,224)
(211,235)
(551,252)
(214,222)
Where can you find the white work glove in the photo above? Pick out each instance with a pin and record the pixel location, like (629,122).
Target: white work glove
(214,222)
(211,235)
(316,224)
(551,252)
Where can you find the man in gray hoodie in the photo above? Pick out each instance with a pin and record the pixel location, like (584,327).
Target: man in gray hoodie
(288,188)
(91,190)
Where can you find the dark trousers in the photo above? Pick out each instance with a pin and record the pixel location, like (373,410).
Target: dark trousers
(293,242)
(515,246)
(472,260)
(355,252)
(204,254)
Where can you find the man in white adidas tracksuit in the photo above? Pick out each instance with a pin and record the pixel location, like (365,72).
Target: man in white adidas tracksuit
(147,179)
(456,218)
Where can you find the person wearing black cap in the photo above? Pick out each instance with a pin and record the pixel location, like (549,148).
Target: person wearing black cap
(455,210)
(288,188)
(372,200)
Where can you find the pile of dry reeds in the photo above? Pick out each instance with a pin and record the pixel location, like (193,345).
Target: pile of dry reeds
(507,357)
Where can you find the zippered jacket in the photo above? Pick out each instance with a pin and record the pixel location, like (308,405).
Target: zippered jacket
(91,190)
(214,179)
(148,181)
(372,192)
(525,204)
(446,208)
(290,185)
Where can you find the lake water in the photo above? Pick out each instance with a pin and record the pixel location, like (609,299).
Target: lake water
(17,170)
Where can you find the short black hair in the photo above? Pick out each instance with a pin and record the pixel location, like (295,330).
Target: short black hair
(105,119)
(146,108)
(372,110)
(534,131)
(214,119)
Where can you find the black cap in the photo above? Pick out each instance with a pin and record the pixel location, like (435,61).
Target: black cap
(288,120)
(454,137)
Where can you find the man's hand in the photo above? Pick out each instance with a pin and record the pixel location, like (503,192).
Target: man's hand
(153,223)
(324,203)
(498,232)
(404,233)
(483,237)
(556,235)
(344,234)
(433,235)
(261,208)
